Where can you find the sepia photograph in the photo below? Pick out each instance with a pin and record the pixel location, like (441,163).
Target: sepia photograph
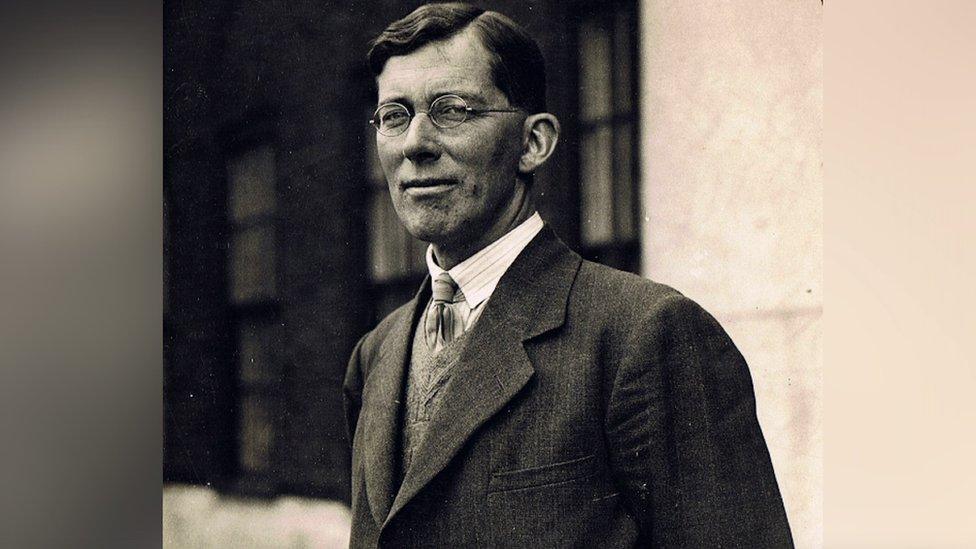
(492,274)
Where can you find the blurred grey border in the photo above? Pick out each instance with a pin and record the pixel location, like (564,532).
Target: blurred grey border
(80,274)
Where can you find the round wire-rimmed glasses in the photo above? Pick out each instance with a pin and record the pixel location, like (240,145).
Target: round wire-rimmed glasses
(447,111)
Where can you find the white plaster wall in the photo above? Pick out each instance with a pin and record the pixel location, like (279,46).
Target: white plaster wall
(732,198)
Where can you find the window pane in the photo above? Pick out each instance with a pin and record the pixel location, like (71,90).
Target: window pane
(596,210)
(256,434)
(622,61)
(252,184)
(595,92)
(623,202)
(253,264)
(257,351)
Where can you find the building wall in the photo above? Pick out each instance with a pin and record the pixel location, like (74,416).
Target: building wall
(732,128)
(238,69)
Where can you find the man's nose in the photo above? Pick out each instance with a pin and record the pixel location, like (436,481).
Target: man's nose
(419,141)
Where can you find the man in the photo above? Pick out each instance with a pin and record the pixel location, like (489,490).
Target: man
(526,397)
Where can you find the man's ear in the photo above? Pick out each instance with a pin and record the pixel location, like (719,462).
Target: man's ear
(540,132)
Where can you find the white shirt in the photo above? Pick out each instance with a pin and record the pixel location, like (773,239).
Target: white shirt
(478,275)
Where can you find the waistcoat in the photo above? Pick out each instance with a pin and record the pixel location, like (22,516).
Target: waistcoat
(427,376)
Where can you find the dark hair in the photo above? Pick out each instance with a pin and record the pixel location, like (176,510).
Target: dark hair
(517,66)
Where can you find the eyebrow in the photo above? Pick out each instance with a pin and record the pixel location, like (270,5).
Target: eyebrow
(467,95)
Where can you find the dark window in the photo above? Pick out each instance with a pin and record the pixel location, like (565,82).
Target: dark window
(253,296)
(607,38)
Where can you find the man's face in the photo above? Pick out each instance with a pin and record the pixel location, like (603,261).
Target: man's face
(450,186)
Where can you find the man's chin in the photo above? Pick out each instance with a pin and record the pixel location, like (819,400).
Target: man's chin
(425,232)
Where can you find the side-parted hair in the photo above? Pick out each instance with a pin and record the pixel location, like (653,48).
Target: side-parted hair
(517,66)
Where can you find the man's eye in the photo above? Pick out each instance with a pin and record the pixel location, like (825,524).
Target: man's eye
(451,111)
(394,117)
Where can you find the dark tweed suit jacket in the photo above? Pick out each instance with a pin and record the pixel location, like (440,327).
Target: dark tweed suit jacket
(591,408)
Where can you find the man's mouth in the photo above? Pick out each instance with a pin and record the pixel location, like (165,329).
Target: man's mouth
(427,186)
(426,182)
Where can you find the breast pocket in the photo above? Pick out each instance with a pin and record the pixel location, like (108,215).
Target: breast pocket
(550,506)
(545,475)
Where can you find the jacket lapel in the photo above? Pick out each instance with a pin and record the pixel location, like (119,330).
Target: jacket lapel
(381,400)
(530,299)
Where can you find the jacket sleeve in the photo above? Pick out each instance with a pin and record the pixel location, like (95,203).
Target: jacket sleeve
(352,389)
(685,444)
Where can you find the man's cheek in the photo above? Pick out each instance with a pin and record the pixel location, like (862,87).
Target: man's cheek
(390,172)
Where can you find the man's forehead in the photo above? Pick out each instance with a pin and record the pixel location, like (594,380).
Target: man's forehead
(461,60)
(411,81)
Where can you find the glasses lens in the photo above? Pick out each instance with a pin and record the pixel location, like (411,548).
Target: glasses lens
(449,111)
(392,119)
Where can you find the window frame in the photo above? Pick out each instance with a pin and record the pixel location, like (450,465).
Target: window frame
(622,252)
(235,478)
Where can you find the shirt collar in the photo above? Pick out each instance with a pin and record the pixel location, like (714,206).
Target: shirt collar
(478,275)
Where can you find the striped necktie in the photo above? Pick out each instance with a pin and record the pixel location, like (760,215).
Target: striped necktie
(440,324)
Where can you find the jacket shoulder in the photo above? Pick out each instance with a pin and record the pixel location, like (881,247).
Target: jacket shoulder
(621,290)
(626,308)
(373,340)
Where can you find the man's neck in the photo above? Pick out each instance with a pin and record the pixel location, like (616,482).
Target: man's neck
(449,256)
